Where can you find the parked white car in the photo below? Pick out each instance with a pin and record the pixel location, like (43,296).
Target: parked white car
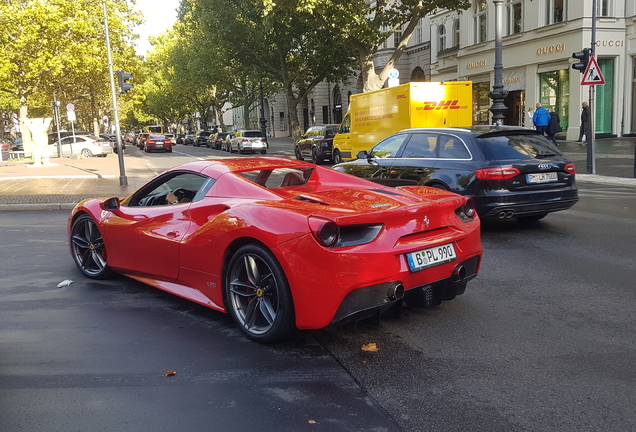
(85,145)
(248,141)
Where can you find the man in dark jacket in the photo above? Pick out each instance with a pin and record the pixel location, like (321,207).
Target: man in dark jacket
(541,118)
(585,128)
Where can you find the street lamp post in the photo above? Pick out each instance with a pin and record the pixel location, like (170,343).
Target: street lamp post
(123,180)
(498,94)
(263,120)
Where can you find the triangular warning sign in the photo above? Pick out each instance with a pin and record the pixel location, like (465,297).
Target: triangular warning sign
(592,75)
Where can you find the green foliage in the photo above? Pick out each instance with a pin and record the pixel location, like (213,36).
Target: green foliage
(59,46)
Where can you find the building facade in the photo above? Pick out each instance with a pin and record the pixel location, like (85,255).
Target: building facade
(539,37)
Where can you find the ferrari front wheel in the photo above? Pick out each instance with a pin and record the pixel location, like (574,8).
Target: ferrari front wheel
(89,250)
(258,295)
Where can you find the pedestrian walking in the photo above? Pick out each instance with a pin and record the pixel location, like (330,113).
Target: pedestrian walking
(554,126)
(585,128)
(541,118)
(530,114)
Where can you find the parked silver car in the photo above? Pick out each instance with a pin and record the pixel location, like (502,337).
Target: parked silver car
(248,141)
(85,145)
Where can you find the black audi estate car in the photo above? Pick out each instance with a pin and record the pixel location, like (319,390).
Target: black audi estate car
(508,171)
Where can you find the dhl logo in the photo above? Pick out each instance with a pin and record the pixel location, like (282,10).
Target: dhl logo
(446,104)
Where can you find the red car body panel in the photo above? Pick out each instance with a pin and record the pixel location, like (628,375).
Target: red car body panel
(182,249)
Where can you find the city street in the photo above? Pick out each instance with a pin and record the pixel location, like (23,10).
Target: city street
(541,340)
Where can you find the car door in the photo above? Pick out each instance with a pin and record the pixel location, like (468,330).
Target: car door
(416,162)
(376,166)
(145,240)
(305,143)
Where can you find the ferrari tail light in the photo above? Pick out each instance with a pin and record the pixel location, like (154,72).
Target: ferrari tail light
(467,212)
(496,173)
(570,169)
(326,232)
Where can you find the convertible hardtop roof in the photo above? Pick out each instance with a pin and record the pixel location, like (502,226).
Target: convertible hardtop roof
(216,167)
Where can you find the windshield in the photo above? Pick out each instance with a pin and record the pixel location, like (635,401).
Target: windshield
(518,146)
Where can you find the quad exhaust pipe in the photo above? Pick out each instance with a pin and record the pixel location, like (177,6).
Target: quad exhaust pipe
(505,214)
(395,291)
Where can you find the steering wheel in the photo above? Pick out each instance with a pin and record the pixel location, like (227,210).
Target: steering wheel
(182,193)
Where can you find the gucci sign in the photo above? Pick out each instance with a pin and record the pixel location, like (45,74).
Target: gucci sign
(551,49)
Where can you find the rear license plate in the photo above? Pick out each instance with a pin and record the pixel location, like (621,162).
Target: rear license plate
(542,177)
(432,256)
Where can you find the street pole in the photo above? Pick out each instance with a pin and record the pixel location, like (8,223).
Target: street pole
(123,181)
(263,120)
(56,116)
(498,94)
(591,141)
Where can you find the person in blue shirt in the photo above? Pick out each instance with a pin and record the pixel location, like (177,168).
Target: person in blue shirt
(541,119)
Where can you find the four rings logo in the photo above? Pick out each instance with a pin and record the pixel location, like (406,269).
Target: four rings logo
(445,104)
(544,166)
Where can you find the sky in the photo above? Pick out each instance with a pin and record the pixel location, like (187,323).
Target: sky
(159,15)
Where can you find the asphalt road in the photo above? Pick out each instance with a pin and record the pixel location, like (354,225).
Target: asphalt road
(92,356)
(542,340)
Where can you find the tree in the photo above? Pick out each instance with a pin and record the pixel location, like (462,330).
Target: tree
(60,45)
(276,43)
(364,25)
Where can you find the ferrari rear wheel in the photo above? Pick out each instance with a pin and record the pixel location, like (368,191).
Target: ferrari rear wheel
(89,250)
(258,295)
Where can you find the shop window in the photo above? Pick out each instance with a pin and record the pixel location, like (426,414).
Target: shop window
(481,103)
(515,21)
(605,98)
(441,35)
(556,11)
(481,14)
(555,93)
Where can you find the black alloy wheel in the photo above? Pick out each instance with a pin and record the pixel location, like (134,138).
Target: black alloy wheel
(314,157)
(88,248)
(299,156)
(258,296)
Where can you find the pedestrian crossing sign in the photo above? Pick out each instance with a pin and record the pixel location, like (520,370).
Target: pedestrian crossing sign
(592,75)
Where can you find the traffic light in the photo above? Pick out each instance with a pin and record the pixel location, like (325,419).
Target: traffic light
(584,57)
(123,77)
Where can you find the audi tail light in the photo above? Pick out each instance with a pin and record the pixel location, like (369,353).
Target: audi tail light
(570,169)
(151,141)
(496,173)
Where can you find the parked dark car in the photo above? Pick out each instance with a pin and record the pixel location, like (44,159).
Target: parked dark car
(188,139)
(217,140)
(508,171)
(317,143)
(179,138)
(200,138)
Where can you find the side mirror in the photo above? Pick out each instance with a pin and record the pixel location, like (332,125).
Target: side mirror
(111,204)
(362,155)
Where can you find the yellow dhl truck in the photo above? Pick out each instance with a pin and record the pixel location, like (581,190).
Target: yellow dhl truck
(373,116)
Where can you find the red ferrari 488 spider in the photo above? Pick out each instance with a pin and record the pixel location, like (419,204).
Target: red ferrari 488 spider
(282,244)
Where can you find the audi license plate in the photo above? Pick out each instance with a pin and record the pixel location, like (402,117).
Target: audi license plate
(430,257)
(542,177)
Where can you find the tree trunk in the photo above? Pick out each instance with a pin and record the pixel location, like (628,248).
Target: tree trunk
(370,80)
(292,105)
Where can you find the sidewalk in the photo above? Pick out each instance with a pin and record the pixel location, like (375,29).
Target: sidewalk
(68,181)
(63,185)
